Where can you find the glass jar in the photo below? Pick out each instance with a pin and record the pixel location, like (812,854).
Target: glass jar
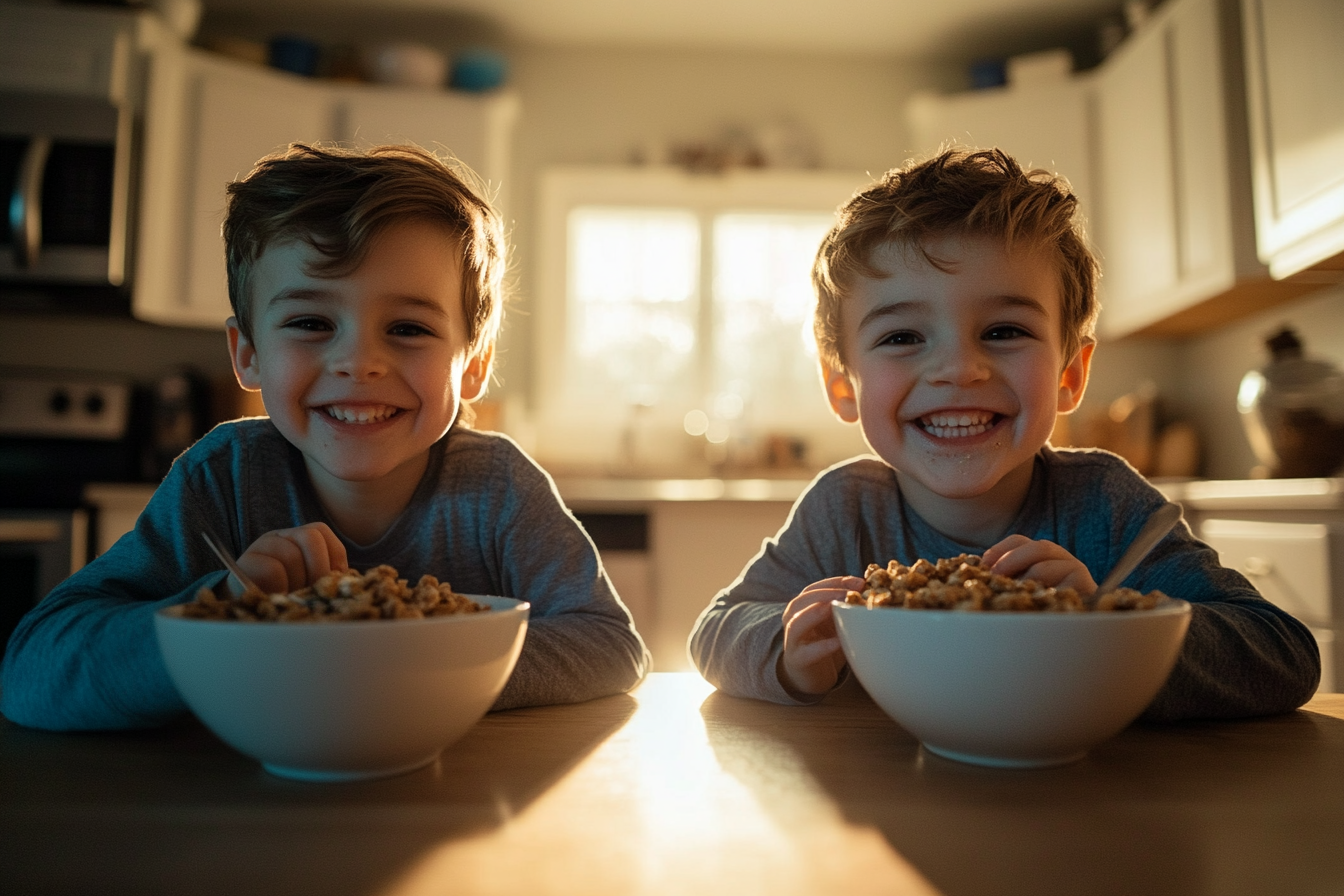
(1293,411)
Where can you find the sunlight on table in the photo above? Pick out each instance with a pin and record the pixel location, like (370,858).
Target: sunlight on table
(675,820)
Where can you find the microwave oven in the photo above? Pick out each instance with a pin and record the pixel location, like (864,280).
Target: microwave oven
(66,172)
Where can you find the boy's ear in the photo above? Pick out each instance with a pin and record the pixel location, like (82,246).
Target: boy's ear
(1073,381)
(840,393)
(244,357)
(476,373)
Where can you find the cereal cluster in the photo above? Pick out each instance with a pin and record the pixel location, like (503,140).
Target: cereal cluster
(961,583)
(340,595)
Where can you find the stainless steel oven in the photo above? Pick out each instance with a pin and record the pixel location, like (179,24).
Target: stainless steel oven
(58,433)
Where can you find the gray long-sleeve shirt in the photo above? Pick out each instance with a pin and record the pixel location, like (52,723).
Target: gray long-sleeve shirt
(1242,656)
(484,518)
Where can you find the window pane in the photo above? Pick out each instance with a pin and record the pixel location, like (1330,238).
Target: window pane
(633,296)
(763,309)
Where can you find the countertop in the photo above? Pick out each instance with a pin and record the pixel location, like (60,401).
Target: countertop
(677,789)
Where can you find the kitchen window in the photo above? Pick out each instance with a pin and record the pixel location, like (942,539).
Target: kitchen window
(675,305)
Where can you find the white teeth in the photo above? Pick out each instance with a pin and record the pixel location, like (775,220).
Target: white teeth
(361,415)
(952,426)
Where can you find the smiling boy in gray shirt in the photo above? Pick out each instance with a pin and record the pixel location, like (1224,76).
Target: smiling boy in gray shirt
(956,302)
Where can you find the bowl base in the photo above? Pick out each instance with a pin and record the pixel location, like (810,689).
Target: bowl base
(330,776)
(1003,762)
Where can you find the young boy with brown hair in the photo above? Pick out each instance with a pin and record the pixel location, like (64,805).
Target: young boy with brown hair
(956,300)
(367,295)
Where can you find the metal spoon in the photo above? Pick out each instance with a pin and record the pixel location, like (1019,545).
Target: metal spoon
(230,563)
(1153,531)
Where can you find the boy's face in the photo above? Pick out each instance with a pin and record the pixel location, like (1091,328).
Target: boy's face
(955,377)
(362,373)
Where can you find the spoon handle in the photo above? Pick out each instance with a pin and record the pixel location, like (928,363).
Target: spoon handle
(1153,531)
(229,563)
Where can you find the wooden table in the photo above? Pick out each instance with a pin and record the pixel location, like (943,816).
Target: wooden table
(678,789)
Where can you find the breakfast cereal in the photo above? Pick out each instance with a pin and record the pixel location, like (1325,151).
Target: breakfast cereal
(340,595)
(962,583)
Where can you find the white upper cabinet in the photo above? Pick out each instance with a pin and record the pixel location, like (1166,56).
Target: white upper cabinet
(1040,125)
(1155,144)
(1294,68)
(209,120)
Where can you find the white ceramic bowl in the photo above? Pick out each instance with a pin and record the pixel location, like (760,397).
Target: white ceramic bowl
(1015,689)
(342,701)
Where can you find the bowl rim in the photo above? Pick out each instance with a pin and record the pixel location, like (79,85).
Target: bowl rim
(516,606)
(1167,606)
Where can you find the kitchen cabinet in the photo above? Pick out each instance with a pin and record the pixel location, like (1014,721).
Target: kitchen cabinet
(1175,223)
(1297,134)
(210,118)
(1041,125)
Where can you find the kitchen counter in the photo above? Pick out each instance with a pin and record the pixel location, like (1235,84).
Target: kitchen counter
(1256,494)
(580,491)
(678,789)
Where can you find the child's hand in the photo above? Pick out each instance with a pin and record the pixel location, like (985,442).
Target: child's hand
(812,658)
(289,559)
(1046,562)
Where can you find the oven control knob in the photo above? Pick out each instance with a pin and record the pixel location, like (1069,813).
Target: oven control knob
(59,402)
(94,403)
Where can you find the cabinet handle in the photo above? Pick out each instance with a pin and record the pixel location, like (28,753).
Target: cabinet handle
(25,206)
(1258,566)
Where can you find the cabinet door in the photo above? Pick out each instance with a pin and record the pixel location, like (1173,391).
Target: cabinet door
(700,548)
(210,120)
(476,130)
(1042,126)
(1167,230)
(1294,67)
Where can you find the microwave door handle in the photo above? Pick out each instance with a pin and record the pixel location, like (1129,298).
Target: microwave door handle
(25,206)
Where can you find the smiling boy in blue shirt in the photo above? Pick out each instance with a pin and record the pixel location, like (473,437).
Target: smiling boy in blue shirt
(956,302)
(367,296)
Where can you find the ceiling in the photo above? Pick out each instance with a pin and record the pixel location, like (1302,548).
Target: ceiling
(950,29)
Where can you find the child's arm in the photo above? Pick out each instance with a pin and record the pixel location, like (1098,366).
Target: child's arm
(86,657)
(581,641)
(741,643)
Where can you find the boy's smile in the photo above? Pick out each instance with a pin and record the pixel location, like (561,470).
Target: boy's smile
(364,372)
(956,375)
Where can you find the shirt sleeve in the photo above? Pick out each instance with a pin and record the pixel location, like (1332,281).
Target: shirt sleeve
(1242,655)
(86,657)
(581,641)
(739,638)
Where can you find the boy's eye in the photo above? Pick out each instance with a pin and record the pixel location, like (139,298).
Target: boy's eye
(409,328)
(310,324)
(1006,331)
(901,337)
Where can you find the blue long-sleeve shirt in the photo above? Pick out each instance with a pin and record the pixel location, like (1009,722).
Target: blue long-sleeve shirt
(484,518)
(1242,655)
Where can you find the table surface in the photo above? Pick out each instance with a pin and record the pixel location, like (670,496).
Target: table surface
(676,788)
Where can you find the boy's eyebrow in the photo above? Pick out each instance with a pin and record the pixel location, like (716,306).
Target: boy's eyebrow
(891,308)
(317,294)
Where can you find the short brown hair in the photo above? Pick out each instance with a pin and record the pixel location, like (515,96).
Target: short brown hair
(957,192)
(337,199)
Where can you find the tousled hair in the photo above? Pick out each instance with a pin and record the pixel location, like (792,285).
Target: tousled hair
(958,192)
(337,200)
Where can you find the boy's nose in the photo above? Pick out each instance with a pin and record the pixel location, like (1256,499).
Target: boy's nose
(358,357)
(959,364)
